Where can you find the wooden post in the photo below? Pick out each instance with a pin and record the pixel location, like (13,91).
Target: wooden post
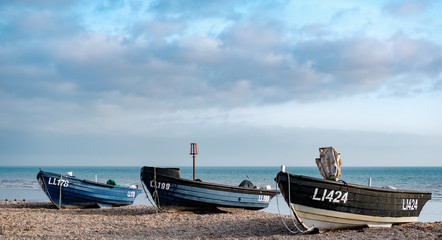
(193,167)
(193,151)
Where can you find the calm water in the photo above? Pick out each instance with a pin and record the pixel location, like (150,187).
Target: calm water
(20,182)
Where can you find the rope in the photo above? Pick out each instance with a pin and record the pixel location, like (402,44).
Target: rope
(280,215)
(306,229)
(345,184)
(148,198)
(293,211)
(155,195)
(59,195)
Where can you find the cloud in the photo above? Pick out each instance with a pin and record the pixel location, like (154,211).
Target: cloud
(34,25)
(254,35)
(316,31)
(206,71)
(407,8)
(165,72)
(53,55)
(252,60)
(358,65)
(223,144)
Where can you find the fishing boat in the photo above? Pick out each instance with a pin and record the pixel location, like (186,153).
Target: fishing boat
(327,204)
(66,191)
(172,193)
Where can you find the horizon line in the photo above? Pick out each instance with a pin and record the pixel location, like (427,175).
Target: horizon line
(168,166)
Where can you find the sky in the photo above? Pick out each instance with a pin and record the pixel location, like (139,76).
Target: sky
(253,83)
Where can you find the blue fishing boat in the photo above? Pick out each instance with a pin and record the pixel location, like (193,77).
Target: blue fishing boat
(66,191)
(172,193)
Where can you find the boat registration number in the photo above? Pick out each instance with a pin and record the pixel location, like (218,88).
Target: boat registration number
(409,204)
(58,182)
(330,195)
(263,198)
(131,194)
(160,185)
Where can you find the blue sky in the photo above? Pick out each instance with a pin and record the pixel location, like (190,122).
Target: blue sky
(259,83)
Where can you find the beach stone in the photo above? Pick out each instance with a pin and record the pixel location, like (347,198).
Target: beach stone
(40,220)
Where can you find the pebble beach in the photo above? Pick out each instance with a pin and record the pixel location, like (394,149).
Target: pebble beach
(41,220)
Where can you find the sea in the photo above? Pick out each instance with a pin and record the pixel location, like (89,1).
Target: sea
(20,183)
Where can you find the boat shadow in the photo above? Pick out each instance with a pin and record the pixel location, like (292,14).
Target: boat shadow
(25,204)
(133,210)
(117,211)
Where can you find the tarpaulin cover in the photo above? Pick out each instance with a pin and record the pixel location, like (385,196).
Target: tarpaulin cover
(329,163)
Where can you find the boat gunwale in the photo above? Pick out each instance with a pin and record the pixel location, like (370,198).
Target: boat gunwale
(86,181)
(215,186)
(332,182)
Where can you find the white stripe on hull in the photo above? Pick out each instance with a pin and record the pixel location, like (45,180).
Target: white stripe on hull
(328,219)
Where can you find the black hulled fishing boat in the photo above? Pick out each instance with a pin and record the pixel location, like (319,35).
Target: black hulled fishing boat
(170,192)
(328,204)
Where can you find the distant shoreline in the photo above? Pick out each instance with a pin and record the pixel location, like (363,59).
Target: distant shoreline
(43,220)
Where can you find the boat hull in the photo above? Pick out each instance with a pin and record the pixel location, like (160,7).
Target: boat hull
(327,205)
(172,193)
(69,192)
